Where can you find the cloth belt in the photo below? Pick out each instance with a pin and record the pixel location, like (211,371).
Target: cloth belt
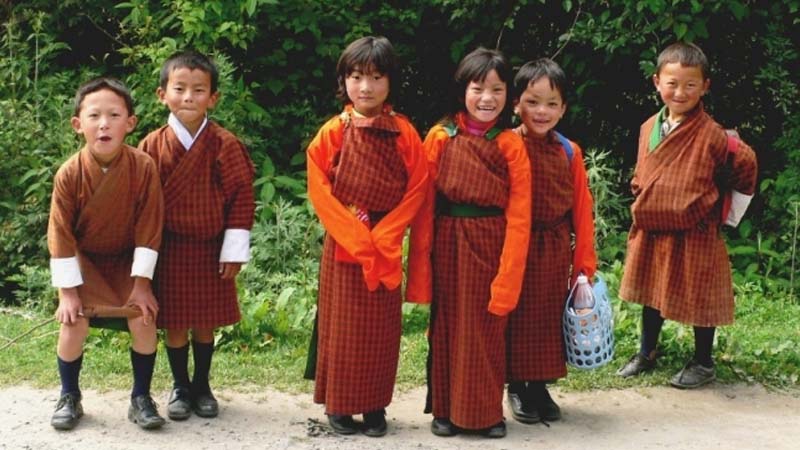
(445,207)
(541,226)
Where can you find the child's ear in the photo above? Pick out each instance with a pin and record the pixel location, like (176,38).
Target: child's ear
(706,85)
(131,123)
(655,80)
(76,124)
(212,101)
(161,94)
(515,103)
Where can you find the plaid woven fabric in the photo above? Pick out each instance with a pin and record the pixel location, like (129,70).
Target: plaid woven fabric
(681,271)
(100,217)
(370,172)
(468,361)
(206,190)
(535,342)
(472,170)
(359,339)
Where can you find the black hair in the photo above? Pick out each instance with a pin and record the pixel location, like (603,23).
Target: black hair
(100,83)
(192,60)
(685,53)
(365,54)
(533,71)
(475,67)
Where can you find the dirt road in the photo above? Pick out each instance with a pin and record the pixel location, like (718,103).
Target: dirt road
(716,417)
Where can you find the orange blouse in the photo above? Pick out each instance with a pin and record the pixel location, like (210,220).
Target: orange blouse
(379,250)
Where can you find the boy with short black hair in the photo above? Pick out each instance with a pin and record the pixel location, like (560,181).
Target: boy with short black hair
(677,265)
(103,235)
(208,195)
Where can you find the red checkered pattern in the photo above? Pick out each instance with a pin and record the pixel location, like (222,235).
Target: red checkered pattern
(535,342)
(370,172)
(359,339)
(206,190)
(683,273)
(101,217)
(467,342)
(478,160)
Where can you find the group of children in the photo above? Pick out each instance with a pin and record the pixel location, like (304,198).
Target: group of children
(176,211)
(501,225)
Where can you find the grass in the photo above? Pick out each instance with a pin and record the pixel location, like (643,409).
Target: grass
(763,346)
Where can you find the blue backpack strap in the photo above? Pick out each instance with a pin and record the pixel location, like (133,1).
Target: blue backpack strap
(566,144)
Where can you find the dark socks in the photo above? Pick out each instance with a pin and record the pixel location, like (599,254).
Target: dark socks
(703,341)
(536,387)
(516,387)
(202,366)
(651,328)
(142,372)
(69,371)
(179,364)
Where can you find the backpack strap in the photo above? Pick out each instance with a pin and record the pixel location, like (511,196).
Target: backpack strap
(566,144)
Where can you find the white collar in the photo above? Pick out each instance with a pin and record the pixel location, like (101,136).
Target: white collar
(184,136)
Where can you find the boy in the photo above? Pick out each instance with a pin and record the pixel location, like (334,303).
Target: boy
(207,177)
(104,233)
(677,265)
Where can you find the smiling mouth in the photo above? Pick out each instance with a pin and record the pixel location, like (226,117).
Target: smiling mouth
(105,138)
(486,108)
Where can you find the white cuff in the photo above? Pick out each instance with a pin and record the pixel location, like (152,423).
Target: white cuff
(235,246)
(739,204)
(144,262)
(65,272)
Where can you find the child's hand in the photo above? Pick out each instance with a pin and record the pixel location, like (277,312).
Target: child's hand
(142,296)
(69,306)
(229,270)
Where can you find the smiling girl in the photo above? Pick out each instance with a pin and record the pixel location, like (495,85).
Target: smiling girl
(468,248)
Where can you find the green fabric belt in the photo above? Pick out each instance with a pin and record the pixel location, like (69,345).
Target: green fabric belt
(469,210)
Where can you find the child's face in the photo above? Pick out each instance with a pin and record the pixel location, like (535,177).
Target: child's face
(540,107)
(367,90)
(188,95)
(485,100)
(681,88)
(104,122)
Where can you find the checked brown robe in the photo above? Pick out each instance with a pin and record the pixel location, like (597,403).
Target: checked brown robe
(376,164)
(676,261)
(562,204)
(207,190)
(100,218)
(471,268)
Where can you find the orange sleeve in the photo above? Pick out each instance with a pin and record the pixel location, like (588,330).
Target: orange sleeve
(387,235)
(420,272)
(584,258)
(341,224)
(507,283)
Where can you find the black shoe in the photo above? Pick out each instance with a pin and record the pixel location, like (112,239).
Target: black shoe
(442,426)
(68,412)
(636,365)
(546,408)
(342,424)
(497,430)
(205,405)
(693,375)
(179,406)
(521,410)
(143,412)
(375,423)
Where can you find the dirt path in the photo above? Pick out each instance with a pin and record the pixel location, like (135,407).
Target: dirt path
(717,417)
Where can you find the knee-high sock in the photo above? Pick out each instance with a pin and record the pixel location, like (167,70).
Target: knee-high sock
(142,372)
(703,341)
(202,366)
(179,365)
(651,328)
(70,371)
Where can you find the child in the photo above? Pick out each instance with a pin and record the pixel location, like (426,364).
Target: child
(104,233)
(367,177)
(677,265)
(562,204)
(208,197)
(478,237)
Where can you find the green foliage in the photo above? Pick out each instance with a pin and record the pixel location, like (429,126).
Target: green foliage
(611,212)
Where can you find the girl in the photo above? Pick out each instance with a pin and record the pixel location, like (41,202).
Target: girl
(562,204)
(367,178)
(478,237)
